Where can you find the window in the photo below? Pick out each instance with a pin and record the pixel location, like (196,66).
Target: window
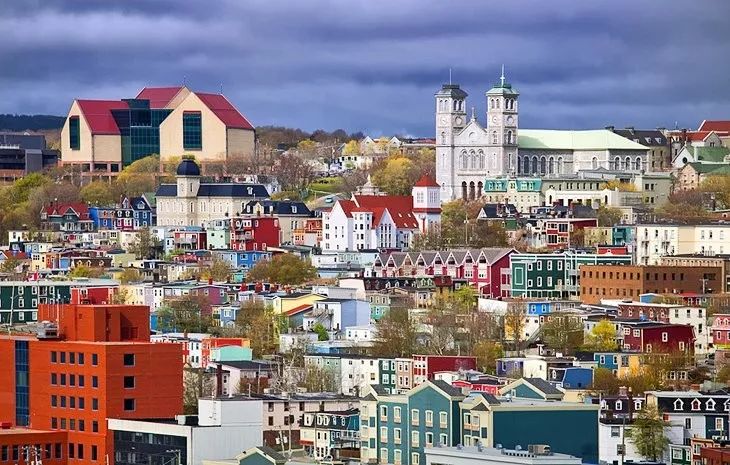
(94,453)
(63,357)
(95,381)
(383,412)
(82,380)
(444,440)
(128,382)
(128,360)
(396,414)
(396,435)
(94,404)
(94,426)
(192,131)
(383,434)
(719,424)
(615,431)
(129,405)
(443,419)
(429,439)
(383,455)
(81,358)
(688,423)
(54,356)
(397,457)
(415,437)
(94,359)
(74,133)
(415,458)
(429,417)
(54,401)
(414,417)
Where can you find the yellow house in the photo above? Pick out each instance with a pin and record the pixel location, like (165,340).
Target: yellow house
(284,303)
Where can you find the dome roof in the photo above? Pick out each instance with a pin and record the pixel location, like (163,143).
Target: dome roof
(188,167)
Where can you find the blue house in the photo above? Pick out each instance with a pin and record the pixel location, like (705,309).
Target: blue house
(571,377)
(532,388)
(509,365)
(130,214)
(242,260)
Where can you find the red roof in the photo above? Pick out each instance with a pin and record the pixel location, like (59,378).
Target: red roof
(159,97)
(223,109)
(400,208)
(298,309)
(716,125)
(98,115)
(427,181)
(697,136)
(347,207)
(58,209)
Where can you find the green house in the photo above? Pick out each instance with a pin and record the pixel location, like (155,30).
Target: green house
(19,300)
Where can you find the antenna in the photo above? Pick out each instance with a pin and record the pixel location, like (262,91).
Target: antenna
(221,88)
(501,78)
(449,76)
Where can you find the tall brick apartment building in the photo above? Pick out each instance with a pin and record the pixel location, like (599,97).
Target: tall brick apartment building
(630,281)
(99,364)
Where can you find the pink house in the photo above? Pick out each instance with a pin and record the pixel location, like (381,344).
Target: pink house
(721,331)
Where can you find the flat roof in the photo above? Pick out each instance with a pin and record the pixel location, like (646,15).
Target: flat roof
(503,455)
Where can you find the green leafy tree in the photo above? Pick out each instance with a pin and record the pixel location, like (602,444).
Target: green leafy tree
(396,176)
(602,337)
(396,334)
(129,275)
(723,375)
(487,353)
(186,314)
(605,382)
(218,270)
(257,322)
(99,193)
(285,269)
(146,245)
(514,323)
(82,271)
(321,331)
(608,216)
(647,433)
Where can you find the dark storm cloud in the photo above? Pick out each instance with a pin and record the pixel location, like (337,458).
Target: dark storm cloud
(375,65)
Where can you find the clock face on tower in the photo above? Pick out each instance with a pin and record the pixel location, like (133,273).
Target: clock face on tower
(458,120)
(510,120)
(495,119)
(443,120)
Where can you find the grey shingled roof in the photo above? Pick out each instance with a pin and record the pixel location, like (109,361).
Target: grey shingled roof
(219,190)
(272,453)
(447,388)
(545,387)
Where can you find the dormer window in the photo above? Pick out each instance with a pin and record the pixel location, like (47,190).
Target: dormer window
(619,405)
(678,405)
(696,405)
(727,405)
(710,405)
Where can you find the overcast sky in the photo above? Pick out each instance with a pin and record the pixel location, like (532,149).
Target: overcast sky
(374,65)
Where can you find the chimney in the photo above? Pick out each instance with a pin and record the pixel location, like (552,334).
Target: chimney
(630,129)
(210,280)
(622,391)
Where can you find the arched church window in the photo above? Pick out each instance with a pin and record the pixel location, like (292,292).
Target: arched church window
(551,165)
(561,168)
(638,163)
(443,137)
(495,137)
(497,103)
(526,163)
(509,161)
(534,164)
(543,165)
(463,190)
(627,163)
(594,163)
(481,160)
(472,160)
(480,189)
(509,137)
(491,103)
(617,163)
(464,160)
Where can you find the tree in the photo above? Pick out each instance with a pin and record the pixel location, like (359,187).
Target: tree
(322,334)
(129,275)
(306,147)
(351,148)
(257,322)
(396,334)
(563,332)
(146,245)
(218,270)
(647,433)
(605,382)
(120,297)
(318,379)
(719,186)
(396,176)
(286,269)
(616,184)
(514,323)
(487,353)
(98,193)
(196,384)
(186,314)
(608,216)
(602,337)
(292,172)
(10,265)
(723,375)
(82,271)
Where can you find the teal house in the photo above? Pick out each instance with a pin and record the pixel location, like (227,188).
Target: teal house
(395,428)
(19,300)
(386,374)
(554,275)
(567,427)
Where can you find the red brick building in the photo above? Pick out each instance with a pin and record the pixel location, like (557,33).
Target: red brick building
(99,364)
(424,366)
(715,455)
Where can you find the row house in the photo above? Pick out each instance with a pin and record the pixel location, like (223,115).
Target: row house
(481,268)
(381,221)
(68,218)
(254,233)
(131,214)
(648,337)
(696,414)
(292,215)
(308,232)
(552,275)
(352,373)
(696,317)
(330,433)
(654,241)
(425,366)
(556,233)
(721,331)
(241,259)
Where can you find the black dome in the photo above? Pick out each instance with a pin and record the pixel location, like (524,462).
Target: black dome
(188,167)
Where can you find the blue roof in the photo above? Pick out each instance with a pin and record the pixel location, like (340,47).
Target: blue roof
(244,191)
(279,207)
(188,167)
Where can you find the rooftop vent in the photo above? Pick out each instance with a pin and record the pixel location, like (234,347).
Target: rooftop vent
(47,330)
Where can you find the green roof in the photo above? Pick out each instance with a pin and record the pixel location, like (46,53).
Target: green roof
(711,168)
(594,139)
(713,154)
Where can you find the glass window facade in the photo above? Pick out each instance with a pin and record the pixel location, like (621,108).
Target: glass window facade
(22,396)
(133,448)
(192,131)
(139,126)
(74,139)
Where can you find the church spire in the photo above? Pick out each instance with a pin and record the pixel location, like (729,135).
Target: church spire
(501,78)
(473,113)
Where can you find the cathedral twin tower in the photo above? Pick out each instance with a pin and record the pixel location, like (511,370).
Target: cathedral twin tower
(466,152)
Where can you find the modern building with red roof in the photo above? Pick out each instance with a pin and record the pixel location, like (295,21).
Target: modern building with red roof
(101,137)
(370,221)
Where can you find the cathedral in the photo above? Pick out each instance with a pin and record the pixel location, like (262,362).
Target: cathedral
(468,153)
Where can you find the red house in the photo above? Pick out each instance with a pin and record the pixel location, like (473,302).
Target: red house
(424,366)
(657,337)
(191,240)
(254,232)
(93,295)
(478,385)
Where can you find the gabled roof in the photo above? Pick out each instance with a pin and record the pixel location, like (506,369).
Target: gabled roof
(159,97)
(697,136)
(98,115)
(710,168)
(648,137)
(427,181)
(711,154)
(224,110)
(715,125)
(450,390)
(60,209)
(269,453)
(400,208)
